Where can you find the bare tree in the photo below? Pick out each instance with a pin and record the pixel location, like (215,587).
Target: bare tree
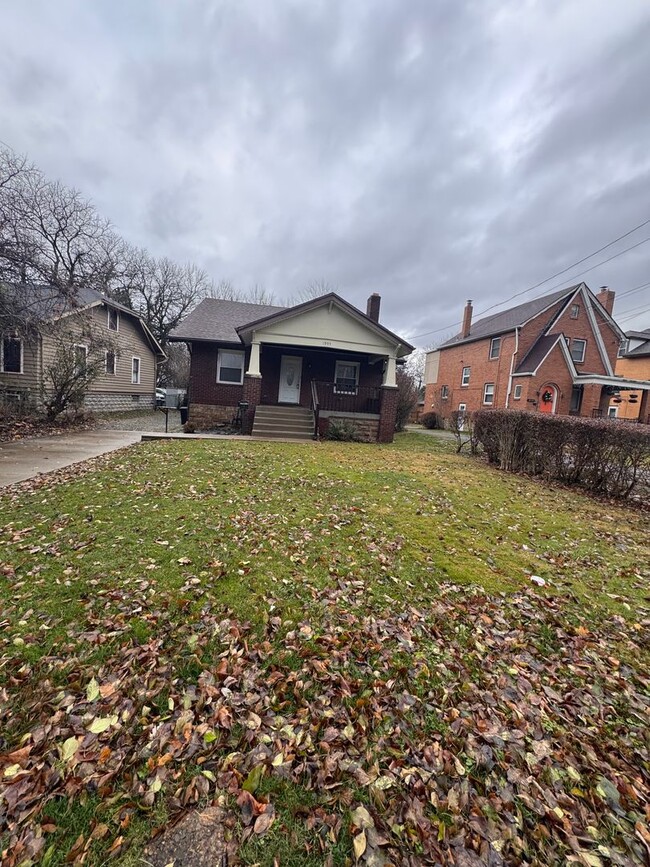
(224,291)
(314,289)
(259,294)
(407,397)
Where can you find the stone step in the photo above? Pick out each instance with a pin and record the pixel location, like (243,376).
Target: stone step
(286,422)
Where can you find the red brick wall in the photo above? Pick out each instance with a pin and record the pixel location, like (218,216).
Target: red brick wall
(483,369)
(387,415)
(581,328)
(204,388)
(554,371)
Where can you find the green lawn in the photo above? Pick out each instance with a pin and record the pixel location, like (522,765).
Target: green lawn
(341,638)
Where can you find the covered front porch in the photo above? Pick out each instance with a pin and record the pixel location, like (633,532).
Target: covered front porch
(298,389)
(597,396)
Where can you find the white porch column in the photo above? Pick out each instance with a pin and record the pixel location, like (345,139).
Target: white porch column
(254,360)
(389,372)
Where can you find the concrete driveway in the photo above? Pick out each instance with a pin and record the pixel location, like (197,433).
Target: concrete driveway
(29,457)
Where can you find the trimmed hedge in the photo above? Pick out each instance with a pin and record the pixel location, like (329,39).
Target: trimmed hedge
(602,455)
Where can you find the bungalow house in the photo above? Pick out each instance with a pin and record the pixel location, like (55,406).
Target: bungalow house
(291,371)
(553,354)
(91,323)
(633,361)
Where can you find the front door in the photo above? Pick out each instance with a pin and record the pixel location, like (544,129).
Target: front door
(547,398)
(290,376)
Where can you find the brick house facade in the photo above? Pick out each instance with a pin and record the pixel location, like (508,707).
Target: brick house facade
(311,364)
(633,362)
(554,354)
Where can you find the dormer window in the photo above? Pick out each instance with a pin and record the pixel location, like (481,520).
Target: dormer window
(575,311)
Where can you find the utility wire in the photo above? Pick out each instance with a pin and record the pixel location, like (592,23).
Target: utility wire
(563,271)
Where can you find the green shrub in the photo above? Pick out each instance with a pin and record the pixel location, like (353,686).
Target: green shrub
(431,421)
(343,430)
(602,455)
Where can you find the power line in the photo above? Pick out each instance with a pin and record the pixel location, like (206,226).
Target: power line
(630,291)
(568,268)
(635,311)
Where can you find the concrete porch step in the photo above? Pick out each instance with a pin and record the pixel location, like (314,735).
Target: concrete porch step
(292,422)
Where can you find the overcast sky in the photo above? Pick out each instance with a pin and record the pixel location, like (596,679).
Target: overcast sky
(428,150)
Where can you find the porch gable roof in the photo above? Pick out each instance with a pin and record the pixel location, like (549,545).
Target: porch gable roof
(246,330)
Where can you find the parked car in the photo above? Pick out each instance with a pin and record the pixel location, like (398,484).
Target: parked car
(161,397)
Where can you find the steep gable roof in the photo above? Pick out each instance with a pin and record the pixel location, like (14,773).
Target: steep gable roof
(215,319)
(643,348)
(510,319)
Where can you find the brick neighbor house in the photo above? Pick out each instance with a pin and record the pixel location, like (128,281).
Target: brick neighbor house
(634,362)
(553,354)
(292,371)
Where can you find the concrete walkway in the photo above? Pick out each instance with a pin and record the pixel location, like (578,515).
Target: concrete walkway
(30,457)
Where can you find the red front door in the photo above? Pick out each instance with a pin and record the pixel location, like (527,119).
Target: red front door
(547,398)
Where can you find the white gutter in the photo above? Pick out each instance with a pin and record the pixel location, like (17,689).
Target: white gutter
(512,366)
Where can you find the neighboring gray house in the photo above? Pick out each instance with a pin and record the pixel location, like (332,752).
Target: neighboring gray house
(130,357)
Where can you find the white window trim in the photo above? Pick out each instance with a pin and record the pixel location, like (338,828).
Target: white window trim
(517,392)
(612,412)
(357,368)
(238,352)
(490,355)
(464,384)
(22,356)
(135,381)
(485,388)
(108,319)
(584,350)
(114,373)
(575,307)
(83,346)
(623,347)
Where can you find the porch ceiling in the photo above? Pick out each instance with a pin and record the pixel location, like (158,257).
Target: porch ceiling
(619,382)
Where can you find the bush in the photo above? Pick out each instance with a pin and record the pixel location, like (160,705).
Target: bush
(602,455)
(431,421)
(189,427)
(343,430)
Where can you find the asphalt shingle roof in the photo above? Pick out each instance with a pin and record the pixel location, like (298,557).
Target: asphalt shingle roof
(216,319)
(644,348)
(537,353)
(509,319)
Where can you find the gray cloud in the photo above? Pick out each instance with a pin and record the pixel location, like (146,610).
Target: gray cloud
(431,152)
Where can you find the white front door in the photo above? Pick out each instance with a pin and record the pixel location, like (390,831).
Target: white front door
(290,376)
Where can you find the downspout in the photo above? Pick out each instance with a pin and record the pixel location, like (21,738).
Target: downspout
(512,366)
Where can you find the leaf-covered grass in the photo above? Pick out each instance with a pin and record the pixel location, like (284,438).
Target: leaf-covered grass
(354,625)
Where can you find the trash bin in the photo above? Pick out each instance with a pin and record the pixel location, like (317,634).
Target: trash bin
(243,406)
(184,410)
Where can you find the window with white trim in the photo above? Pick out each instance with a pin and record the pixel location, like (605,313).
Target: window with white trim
(12,355)
(80,357)
(113,319)
(575,311)
(611,411)
(111,362)
(444,392)
(464,380)
(495,347)
(135,370)
(230,366)
(517,394)
(488,393)
(346,377)
(578,347)
(622,347)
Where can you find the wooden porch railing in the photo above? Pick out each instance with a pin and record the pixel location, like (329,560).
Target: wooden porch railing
(334,396)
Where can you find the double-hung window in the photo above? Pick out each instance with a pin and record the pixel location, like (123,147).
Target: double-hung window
(622,347)
(575,311)
(578,349)
(12,355)
(135,370)
(346,377)
(230,366)
(517,394)
(495,347)
(110,362)
(80,358)
(444,392)
(113,321)
(464,380)
(488,394)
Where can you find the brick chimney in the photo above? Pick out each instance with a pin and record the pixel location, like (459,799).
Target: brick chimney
(467,319)
(606,298)
(372,308)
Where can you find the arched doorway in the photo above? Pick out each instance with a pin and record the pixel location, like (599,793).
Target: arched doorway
(547,398)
